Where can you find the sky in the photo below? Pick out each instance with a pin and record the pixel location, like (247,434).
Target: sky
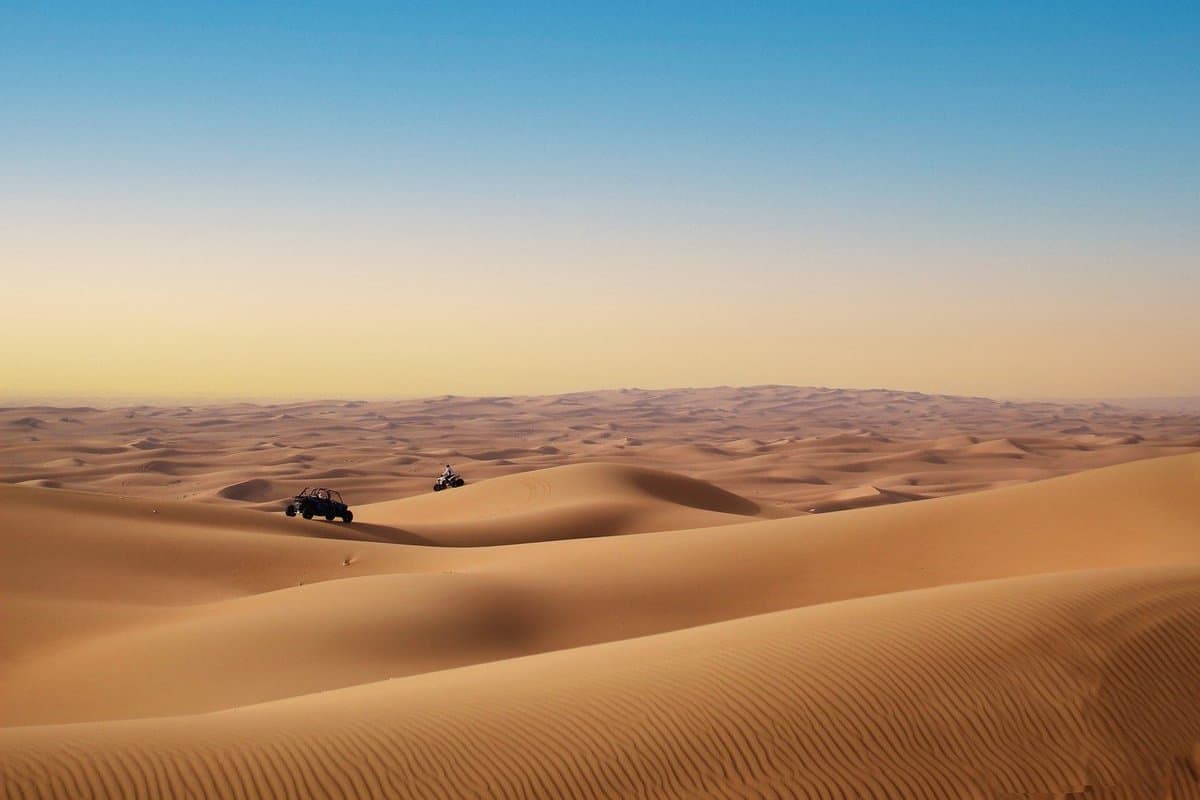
(392,199)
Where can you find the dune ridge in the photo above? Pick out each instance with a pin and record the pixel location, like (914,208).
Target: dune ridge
(574,501)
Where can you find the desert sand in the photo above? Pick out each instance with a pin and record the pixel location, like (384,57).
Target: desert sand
(732,592)
(794,448)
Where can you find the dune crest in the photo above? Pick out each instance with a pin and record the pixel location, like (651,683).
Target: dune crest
(576,501)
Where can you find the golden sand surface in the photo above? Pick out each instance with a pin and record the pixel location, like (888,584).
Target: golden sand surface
(629,598)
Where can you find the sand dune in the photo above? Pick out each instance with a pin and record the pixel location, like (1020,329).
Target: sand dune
(577,501)
(1053,686)
(784,446)
(608,629)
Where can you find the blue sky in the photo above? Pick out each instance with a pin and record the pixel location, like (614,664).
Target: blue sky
(1018,148)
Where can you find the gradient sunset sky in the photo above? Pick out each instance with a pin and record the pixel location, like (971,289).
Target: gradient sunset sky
(365,199)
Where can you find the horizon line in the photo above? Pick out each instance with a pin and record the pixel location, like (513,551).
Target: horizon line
(117,400)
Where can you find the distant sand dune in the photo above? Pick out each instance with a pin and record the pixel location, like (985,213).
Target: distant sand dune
(576,501)
(253,489)
(752,441)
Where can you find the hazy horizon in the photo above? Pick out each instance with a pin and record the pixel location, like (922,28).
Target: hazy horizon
(1164,403)
(370,200)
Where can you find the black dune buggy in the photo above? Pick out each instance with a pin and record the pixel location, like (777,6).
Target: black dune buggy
(318,502)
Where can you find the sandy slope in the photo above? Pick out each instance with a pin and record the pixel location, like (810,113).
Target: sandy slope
(266,609)
(1079,683)
(1039,638)
(571,502)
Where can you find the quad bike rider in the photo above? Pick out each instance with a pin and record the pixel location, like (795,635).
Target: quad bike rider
(449,479)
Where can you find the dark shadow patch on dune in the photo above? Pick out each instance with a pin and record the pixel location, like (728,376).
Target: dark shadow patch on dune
(166,467)
(362,532)
(813,480)
(692,493)
(254,490)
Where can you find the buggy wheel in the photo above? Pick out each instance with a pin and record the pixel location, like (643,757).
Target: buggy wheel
(290,511)
(457,482)
(437,487)
(307,513)
(348,517)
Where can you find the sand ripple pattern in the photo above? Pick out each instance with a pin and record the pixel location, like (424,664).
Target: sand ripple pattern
(1071,685)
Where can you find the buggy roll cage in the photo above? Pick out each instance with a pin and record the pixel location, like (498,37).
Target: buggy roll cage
(315,491)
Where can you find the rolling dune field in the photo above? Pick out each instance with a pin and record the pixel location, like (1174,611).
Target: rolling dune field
(632,597)
(794,448)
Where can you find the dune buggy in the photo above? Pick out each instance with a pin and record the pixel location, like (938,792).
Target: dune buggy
(319,502)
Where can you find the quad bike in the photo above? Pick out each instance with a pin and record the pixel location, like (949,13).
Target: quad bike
(318,502)
(451,481)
